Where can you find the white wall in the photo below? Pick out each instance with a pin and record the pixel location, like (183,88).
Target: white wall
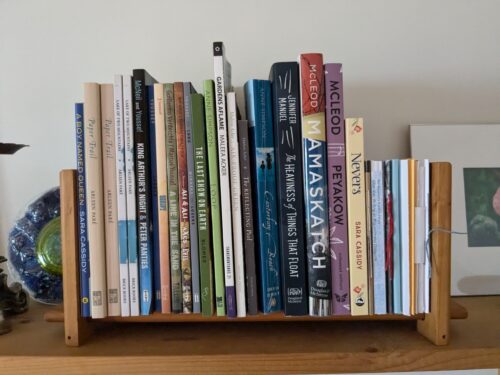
(404,61)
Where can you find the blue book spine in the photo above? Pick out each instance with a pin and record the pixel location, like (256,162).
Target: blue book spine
(154,199)
(396,243)
(259,112)
(82,214)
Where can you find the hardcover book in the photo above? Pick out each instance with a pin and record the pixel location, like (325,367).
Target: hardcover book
(356,217)
(378,237)
(193,225)
(215,214)
(142,79)
(121,197)
(202,204)
(412,204)
(82,214)
(259,107)
(187,301)
(133,266)
(312,95)
(369,250)
(234,167)
(337,199)
(95,202)
(161,199)
(284,79)
(110,200)
(248,221)
(173,200)
(222,78)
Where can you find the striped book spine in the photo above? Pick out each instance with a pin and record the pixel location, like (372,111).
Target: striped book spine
(121,198)
(173,200)
(396,242)
(82,214)
(215,214)
(94,197)
(128,127)
(356,216)
(315,183)
(187,301)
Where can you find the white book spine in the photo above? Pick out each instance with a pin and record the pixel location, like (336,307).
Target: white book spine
(404,236)
(378,237)
(128,127)
(234,164)
(224,181)
(110,199)
(427,228)
(420,236)
(121,196)
(95,203)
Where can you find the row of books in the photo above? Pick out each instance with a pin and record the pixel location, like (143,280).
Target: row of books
(184,207)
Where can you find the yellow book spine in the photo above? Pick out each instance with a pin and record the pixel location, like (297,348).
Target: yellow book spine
(411,210)
(356,216)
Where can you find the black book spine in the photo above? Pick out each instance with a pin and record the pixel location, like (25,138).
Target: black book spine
(389,233)
(141,79)
(247,212)
(287,125)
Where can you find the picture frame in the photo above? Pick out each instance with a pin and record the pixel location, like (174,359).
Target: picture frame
(474,152)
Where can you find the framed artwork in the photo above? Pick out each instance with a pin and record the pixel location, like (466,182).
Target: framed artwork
(474,152)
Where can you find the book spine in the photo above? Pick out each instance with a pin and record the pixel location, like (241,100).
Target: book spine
(389,235)
(110,200)
(215,214)
(247,213)
(173,200)
(259,107)
(128,126)
(202,204)
(420,209)
(161,202)
(369,249)
(82,214)
(378,237)
(222,84)
(193,225)
(356,217)
(285,90)
(337,199)
(315,184)
(234,167)
(404,236)
(121,198)
(187,301)
(94,197)
(143,189)
(411,222)
(155,234)
(396,242)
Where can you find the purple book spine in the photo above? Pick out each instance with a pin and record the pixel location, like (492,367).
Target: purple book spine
(336,188)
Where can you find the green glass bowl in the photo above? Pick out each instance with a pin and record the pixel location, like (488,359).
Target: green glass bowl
(48,247)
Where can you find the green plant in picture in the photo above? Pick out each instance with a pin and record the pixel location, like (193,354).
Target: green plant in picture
(482,206)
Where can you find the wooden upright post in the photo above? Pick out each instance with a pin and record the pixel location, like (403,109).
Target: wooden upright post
(76,328)
(436,325)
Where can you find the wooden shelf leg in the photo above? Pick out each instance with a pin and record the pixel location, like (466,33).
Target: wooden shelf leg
(76,328)
(436,325)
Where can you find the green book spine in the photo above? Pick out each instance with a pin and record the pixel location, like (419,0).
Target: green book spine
(213,175)
(173,199)
(202,203)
